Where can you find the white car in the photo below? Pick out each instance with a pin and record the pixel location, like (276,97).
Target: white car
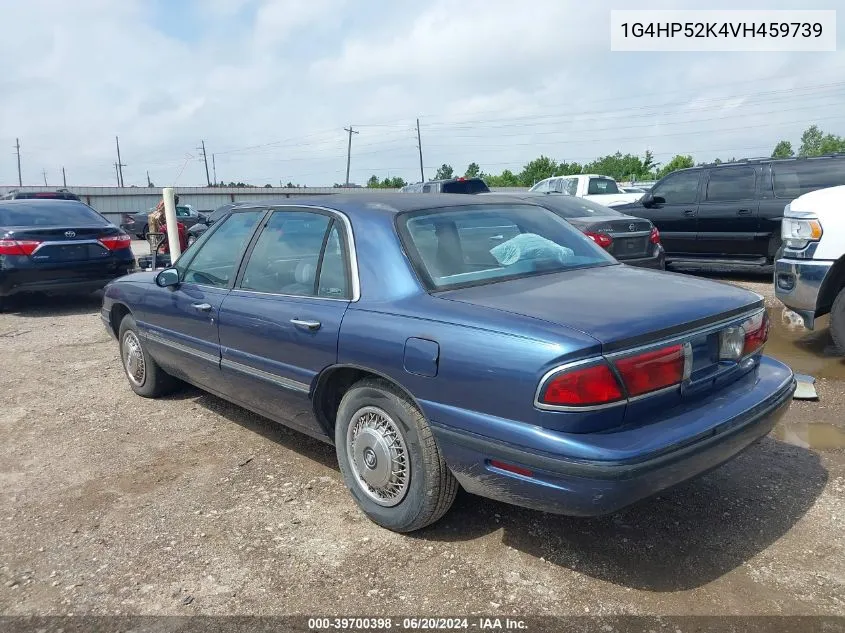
(600,189)
(810,268)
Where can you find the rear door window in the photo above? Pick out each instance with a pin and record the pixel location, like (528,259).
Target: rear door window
(793,179)
(727,184)
(464,186)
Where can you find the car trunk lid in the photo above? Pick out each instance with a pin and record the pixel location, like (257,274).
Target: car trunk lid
(630,235)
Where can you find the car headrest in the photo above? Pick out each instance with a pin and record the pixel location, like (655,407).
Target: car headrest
(306,271)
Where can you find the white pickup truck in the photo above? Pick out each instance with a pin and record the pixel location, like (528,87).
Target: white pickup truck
(810,267)
(600,189)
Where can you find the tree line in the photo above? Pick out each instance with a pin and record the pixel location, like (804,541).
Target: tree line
(622,167)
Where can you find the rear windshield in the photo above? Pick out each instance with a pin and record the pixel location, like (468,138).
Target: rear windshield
(477,244)
(795,179)
(599,186)
(464,186)
(55,213)
(571,207)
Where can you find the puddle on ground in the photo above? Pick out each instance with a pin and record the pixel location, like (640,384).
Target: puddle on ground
(811,435)
(805,351)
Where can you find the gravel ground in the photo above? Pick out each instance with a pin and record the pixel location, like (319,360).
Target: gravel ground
(114,504)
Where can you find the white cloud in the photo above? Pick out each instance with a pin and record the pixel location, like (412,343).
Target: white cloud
(491,82)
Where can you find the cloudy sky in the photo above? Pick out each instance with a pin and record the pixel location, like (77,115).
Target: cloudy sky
(270,85)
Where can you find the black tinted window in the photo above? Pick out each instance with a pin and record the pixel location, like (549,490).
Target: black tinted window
(217,256)
(678,188)
(464,186)
(732,183)
(795,179)
(56,213)
(599,186)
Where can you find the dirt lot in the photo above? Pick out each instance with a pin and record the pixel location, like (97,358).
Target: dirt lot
(113,504)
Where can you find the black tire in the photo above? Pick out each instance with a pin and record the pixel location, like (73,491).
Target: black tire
(837,322)
(144,231)
(191,239)
(154,381)
(430,488)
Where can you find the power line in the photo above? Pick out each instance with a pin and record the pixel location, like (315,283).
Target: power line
(349,151)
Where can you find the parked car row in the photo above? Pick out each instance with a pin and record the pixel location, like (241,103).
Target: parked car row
(137,224)
(454,340)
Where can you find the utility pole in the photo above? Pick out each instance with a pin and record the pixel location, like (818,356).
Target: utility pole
(44,173)
(149,182)
(214,167)
(119,164)
(419,145)
(18,149)
(205,160)
(117,174)
(349,151)
(64,177)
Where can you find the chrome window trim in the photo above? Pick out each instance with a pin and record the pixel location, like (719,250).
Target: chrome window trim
(610,358)
(353,253)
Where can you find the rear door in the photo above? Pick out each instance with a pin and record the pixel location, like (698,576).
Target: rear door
(279,326)
(728,213)
(180,323)
(673,209)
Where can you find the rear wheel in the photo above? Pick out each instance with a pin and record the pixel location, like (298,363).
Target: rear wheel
(837,321)
(144,231)
(145,376)
(389,458)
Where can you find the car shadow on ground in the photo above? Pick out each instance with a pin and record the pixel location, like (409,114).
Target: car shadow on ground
(680,540)
(40,305)
(282,435)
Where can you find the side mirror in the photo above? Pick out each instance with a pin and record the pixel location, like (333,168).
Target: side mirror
(648,200)
(167,277)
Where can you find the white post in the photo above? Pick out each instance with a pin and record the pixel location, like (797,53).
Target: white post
(169,194)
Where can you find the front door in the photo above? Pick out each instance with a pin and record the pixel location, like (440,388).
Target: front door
(180,322)
(728,214)
(279,326)
(673,208)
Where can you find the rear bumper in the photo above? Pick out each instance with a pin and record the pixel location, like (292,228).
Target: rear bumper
(564,484)
(656,261)
(797,286)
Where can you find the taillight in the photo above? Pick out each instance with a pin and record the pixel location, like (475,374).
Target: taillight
(653,370)
(602,239)
(18,247)
(737,342)
(654,238)
(756,332)
(581,387)
(116,242)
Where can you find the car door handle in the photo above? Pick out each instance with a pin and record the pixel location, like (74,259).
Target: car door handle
(310,325)
(201,307)
(744,212)
(690,212)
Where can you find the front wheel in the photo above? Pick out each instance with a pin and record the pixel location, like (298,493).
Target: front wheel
(389,458)
(145,376)
(837,321)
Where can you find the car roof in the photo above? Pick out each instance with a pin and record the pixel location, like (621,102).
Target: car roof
(384,203)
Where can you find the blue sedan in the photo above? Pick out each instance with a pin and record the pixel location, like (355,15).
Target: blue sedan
(446,340)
